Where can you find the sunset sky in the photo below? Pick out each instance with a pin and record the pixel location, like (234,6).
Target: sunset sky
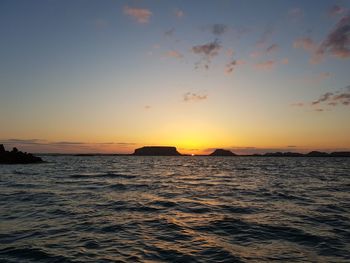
(111,76)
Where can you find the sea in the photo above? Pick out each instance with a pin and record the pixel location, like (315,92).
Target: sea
(175,209)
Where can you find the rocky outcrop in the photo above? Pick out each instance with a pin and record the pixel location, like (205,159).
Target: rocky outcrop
(157,151)
(222,152)
(17,157)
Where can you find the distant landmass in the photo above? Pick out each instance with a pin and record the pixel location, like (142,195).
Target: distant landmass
(157,151)
(310,154)
(222,152)
(17,157)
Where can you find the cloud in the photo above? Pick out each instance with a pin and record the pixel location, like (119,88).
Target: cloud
(296,13)
(285,61)
(190,96)
(207,52)
(229,68)
(22,141)
(266,35)
(297,104)
(218,29)
(169,32)
(336,10)
(272,48)
(141,15)
(339,97)
(173,54)
(179,13)
(325,97)
(147,107)
(336,43)
(338,40)
(264,51)
(305,43)
(266,65)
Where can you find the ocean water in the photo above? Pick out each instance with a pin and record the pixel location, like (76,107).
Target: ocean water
(176,209)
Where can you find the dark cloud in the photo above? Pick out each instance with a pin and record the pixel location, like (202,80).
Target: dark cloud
(324,97)
(272,48)
(190,96)
(218,29)
(229,68)
(207,52)
(337,42)
(340,97)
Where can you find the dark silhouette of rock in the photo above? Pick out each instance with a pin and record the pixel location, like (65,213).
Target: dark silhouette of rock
(222,152)
(157,151)
(340,154)
(17,157)
(284,154)
(317,154)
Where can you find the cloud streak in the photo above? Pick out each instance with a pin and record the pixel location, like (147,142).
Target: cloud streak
(339,97)
(173,54)
(336,43)
(141,15)
(266,65)
(190,96)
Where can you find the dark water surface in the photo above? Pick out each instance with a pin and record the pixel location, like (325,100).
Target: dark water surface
(176,209)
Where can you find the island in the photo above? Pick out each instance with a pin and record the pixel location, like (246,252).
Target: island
(157,151)
(17,157)
(222,152)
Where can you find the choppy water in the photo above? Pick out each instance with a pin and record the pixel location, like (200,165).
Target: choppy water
(176,209)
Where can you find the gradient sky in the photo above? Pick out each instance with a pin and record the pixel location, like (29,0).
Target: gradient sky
(110,76)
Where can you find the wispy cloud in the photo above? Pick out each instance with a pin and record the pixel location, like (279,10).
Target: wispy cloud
(265,65)
(305,43)
(336,10)
(285,61)
(169,32)
(229,67)
(295,13)
(272,48)
(297,104)
(338,40)
(207,51)
(190,96)
(265,36)
(336,43)
(179,13)
(173,54)
(332,99)
(141,15)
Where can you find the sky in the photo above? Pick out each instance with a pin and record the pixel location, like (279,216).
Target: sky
(111,76)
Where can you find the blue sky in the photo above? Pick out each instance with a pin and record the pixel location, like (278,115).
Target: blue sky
(198,74)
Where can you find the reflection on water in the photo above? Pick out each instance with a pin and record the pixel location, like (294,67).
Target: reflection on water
(176,209)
